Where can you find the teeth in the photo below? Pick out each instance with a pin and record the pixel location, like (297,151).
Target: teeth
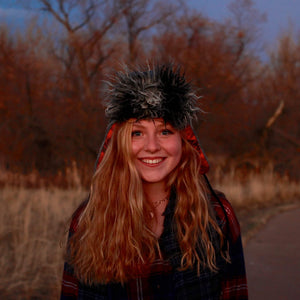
(152,161)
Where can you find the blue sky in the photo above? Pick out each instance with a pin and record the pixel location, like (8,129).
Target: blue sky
(280,13)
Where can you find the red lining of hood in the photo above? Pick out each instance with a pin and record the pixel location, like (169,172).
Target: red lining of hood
(190,136)
(192,139)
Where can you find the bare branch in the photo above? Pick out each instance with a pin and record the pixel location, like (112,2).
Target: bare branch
(49,8)
(276,114)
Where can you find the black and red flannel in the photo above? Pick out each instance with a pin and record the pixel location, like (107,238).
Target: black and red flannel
(165,281)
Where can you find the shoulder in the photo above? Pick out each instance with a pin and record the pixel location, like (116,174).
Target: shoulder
(225,215)
(76,215)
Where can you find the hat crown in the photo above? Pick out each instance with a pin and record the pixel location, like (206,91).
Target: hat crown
(161,92)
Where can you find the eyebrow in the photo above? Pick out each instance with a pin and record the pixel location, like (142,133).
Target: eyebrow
(157,124)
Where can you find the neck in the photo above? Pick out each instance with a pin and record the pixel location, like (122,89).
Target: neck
(157,196)
(155,191)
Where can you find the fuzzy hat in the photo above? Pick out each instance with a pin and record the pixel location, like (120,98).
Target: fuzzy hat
(161,92)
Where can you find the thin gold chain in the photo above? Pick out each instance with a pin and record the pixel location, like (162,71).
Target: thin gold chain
(159,202)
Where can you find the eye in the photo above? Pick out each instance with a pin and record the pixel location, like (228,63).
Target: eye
(136,133)
(166,132)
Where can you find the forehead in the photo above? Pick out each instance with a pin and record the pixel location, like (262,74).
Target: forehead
(157,122)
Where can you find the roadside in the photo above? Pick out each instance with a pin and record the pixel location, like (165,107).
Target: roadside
(272,255)
(252,220)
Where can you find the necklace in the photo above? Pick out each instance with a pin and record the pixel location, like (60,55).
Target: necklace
(157,204)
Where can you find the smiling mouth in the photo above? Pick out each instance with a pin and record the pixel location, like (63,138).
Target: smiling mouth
(153,162)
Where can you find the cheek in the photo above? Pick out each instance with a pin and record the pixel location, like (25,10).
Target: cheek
(176,149)
(179,152)
(135,147)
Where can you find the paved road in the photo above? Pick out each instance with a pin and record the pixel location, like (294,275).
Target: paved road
(273,259)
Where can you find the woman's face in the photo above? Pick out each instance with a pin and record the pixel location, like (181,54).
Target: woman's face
(157,149)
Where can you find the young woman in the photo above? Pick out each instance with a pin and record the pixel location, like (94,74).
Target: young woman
(153,228)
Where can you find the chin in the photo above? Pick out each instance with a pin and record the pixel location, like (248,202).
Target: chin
(153,180)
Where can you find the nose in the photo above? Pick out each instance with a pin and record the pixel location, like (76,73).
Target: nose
(152,143)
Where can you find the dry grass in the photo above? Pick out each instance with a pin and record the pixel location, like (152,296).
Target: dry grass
(257,196)
(256,189)
(69,178)
(33,224)
(32,227)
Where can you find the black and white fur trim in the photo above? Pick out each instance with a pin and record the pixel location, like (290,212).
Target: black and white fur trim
(161,92)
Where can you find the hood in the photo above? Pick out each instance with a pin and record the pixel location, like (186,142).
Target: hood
(190,136)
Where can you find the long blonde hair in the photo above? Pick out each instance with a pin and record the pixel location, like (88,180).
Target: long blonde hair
(113,241)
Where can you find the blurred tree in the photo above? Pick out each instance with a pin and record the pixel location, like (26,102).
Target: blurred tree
(24,78)
(280,96)
(82,47)
(246,20)
(221,69)
(142,16)
(51,78)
